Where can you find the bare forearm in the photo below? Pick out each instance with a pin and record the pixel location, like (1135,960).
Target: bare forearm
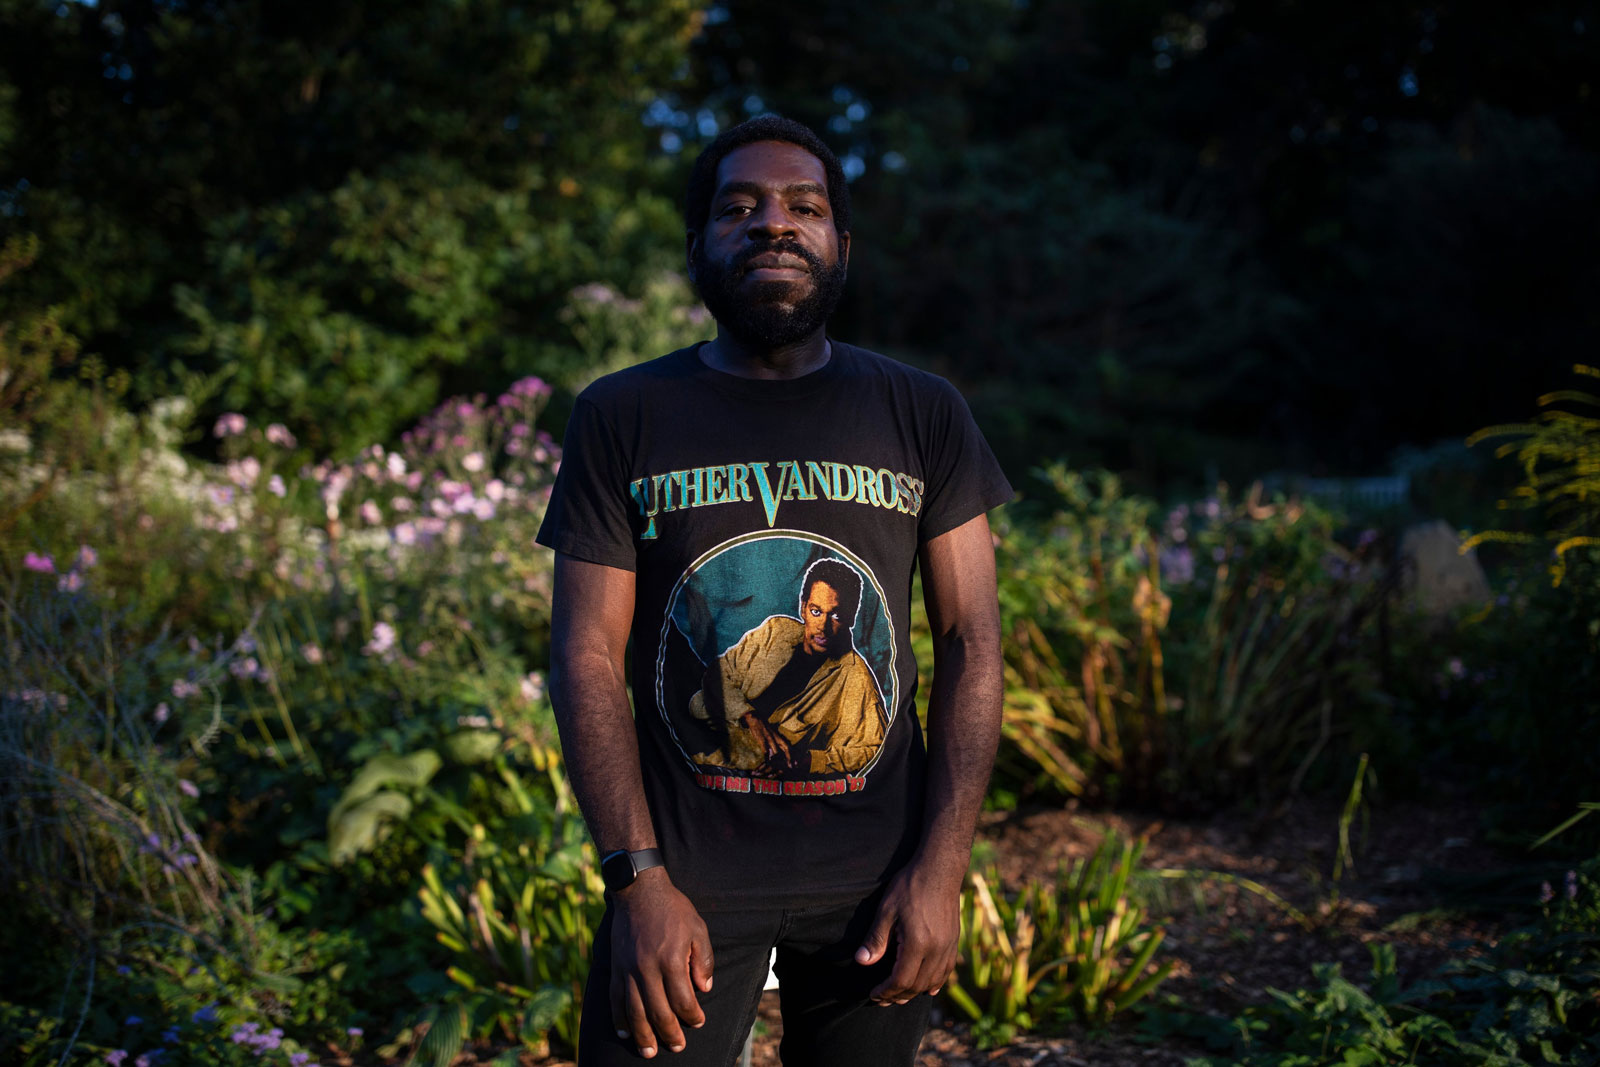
(963,734)
(601,749)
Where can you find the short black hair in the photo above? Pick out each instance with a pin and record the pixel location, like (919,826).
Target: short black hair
(839,576)
(703,179)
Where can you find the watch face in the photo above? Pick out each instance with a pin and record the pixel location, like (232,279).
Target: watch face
(616,870)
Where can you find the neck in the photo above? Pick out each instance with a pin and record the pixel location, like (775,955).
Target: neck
(732,356)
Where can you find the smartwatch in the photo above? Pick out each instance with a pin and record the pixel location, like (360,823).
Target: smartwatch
(618,869)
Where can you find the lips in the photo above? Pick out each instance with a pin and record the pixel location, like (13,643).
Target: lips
(777,261)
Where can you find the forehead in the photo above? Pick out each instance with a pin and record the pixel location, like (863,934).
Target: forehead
(774,164)
(822,593)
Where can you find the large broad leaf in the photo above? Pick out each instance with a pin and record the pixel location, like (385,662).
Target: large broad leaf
(387,769)
(353,829)
(445,1037)
(472,746)
(543,1011)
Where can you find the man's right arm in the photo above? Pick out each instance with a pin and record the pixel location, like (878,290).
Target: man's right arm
(660,951)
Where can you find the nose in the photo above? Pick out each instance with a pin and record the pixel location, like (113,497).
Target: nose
(769,221)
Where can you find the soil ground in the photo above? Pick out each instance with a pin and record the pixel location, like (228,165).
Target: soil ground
(1231,944)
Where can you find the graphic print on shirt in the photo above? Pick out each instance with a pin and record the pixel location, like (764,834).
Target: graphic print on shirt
(776,669)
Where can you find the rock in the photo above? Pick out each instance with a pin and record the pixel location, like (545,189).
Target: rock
(1437,578)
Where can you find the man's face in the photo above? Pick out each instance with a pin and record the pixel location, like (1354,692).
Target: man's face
(769,263)
(827,633)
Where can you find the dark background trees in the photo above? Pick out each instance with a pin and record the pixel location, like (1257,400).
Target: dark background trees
(1179,240)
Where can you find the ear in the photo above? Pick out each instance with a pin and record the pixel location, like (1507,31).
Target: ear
(691,243)
(844,251)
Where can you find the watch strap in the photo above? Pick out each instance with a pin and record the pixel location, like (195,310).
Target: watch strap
(619,869)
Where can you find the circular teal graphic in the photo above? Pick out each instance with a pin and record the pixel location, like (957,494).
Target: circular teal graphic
(777,660)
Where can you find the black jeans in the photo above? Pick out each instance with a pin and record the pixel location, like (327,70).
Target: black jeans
(827,1019)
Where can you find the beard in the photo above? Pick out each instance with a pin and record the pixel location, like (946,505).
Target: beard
(766,317)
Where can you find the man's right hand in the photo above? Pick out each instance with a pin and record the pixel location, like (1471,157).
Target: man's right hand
(660,955)
(774,749)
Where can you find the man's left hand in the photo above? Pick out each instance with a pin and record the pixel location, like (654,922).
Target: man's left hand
(920,910)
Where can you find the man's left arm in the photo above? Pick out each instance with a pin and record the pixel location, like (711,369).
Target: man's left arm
(921,906)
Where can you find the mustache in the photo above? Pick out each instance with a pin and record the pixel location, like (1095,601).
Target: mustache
(788,248)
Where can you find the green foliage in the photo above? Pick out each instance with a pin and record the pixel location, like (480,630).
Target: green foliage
(344,217)
(1075,948)
(1199,660)
(519,920)
(1560,459)
(1534,998)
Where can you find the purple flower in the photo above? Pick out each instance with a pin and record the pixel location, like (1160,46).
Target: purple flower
(170,1035)
(132,1020)
(70,582)
(116,1056)
(188,788)
(43,564)
(230,424)
(87,557)
(275,486)
(182,689)
(123,968)
(161,713)
(207,1014)
(298,1059)
(279,434)
(1546,894)
(1572,885)
(355,1031)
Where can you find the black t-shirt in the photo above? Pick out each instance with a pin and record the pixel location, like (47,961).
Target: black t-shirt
(773,527)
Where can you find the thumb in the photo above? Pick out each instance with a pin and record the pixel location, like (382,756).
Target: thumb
(700,961)
(876,943)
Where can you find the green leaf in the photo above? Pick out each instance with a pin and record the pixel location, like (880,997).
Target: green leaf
(543,1010)
(355,829)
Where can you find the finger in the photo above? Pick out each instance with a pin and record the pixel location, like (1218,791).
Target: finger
(876,943)
(638,1025)
(701,960)
(663,1018)
(680,997)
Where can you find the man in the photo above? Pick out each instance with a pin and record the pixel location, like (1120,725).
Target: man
(690,486)
(794,693)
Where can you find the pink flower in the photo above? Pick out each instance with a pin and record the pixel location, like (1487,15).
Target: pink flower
(161,713)
(383,639)
(244,472)
(531,387)
(44,564)
(533,687)
(370,513)
(483,510)
(311,652)
(495,490)
(182,689)
(188,788)
(396,465)
(402,503)
(275,486)
(230,424)
(279,434)
(473,461)
(520,429)
(87,557)
(70,582)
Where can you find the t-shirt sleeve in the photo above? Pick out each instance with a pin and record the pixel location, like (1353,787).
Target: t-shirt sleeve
(964,480)
(588,517)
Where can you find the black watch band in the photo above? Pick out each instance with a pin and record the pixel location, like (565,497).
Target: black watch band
(618,869)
